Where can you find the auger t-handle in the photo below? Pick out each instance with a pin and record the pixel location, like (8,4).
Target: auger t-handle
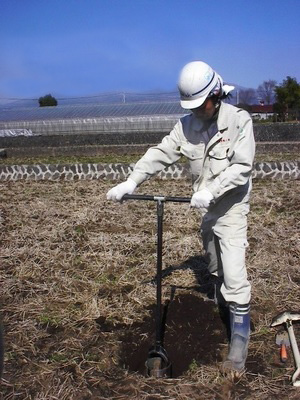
(156,198)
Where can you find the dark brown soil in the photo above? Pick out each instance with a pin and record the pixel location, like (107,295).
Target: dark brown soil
(194,334)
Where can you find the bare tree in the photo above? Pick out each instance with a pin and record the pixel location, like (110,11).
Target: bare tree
(266,91)
(247,96)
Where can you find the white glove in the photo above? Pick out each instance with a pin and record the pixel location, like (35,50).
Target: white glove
(201,199)
(117,192)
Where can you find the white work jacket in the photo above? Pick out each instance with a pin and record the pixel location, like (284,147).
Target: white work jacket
(221,162)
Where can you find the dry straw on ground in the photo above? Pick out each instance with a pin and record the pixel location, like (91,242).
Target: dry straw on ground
(77,280)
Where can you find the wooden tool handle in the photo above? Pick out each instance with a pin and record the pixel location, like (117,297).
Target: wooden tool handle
(283,353)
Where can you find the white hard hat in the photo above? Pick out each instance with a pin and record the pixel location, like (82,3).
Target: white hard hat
(196,81)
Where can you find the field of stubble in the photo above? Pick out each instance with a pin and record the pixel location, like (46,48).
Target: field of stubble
(78,294)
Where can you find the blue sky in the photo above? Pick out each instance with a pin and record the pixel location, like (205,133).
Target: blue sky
(75,48)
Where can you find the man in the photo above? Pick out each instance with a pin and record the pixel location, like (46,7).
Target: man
(217,138)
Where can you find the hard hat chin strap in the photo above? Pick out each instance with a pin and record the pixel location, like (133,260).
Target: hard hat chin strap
(216,99)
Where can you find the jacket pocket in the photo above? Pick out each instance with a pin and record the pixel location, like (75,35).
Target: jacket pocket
(219,159)
(195,155)
(238,242)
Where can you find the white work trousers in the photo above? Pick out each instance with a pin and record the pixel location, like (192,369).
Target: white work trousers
(225,242)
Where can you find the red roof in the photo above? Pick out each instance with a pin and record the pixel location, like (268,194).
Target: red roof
(258,108)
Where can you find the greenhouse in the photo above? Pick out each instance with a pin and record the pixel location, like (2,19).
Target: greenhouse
(90,118)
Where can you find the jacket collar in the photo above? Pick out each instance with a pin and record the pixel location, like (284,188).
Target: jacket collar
(222,118)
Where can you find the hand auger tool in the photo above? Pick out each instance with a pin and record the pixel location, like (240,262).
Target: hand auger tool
(287,318)
(158,364)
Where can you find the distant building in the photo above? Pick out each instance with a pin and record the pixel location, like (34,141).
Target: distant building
(261,111)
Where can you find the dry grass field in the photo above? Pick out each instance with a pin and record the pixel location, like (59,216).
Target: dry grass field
(78,294)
